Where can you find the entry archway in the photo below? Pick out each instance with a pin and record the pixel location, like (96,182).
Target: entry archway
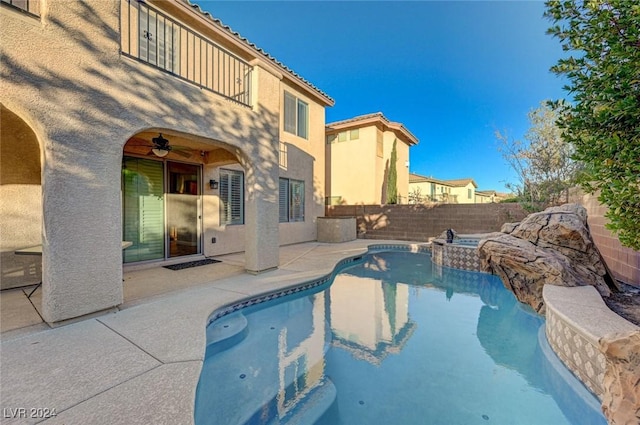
(21,206)
(179,194)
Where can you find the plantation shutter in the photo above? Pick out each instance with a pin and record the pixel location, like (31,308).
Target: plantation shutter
(289,113)
(284,200)
(231,197)
(237,196)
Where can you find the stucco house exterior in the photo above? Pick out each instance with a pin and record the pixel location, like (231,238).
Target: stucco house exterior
(151,124)
(358,151)
(486,196)
(458,191)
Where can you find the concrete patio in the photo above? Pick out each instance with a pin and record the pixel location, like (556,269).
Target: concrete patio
(141,363)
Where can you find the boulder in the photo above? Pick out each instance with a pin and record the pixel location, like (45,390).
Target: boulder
(550,247)
(509,227)
(621,398)
(524,268)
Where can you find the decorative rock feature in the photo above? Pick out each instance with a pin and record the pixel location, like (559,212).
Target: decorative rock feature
(621,400)
(550,247)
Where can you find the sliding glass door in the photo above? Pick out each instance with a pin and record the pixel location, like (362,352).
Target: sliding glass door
(161,223)
(143,209)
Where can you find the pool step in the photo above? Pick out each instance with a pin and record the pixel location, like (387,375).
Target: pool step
(308,409)
(226,332)
(313,406)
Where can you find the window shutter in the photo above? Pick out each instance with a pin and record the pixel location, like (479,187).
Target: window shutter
(224,198)
(283,200)
(237,196)
(303,119)
(289,113)
(231,197)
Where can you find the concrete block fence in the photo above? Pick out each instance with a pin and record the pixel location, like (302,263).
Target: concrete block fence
(423,222)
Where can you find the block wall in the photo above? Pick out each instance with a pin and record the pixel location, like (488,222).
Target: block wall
(423,222)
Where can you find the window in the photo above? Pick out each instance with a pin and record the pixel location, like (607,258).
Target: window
(342,136)
(296,116)
(469,193)
(354,134)
(291,200)
(231,197)
(30,6)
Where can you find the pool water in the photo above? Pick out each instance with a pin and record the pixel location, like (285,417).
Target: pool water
(394,339)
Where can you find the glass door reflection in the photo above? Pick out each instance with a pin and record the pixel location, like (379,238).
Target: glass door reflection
(183,209)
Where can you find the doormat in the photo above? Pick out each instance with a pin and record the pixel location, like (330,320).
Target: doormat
(190,264)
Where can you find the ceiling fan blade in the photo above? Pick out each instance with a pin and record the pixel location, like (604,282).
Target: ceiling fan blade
(182,153)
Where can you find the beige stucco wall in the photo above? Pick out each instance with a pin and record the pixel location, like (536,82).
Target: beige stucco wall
(304,160)
(402,169)
(357,174)
(66,78)
(353,163)
(462,195)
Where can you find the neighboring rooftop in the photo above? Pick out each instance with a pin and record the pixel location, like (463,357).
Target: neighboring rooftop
(377,119)
(417,178)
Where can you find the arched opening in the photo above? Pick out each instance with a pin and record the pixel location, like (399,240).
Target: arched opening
(21,206)
(180,193)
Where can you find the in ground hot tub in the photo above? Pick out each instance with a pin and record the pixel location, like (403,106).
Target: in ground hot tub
(459,254)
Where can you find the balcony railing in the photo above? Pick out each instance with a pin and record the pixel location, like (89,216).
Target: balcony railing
(158,40)
(31,7)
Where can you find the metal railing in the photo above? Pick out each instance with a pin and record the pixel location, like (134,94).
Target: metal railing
(31,7)
(152,37)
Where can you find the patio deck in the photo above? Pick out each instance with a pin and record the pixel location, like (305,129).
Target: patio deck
(140,364)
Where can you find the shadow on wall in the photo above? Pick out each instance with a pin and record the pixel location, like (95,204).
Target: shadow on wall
(90,101)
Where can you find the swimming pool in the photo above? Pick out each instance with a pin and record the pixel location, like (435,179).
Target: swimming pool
(392,339)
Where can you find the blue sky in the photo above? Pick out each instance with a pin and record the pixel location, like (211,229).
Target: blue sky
(453,72)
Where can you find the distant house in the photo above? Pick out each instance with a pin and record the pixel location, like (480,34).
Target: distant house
(358,154)
(486,196)
(428,189)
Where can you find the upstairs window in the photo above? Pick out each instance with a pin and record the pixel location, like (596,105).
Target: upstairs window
(231,197)
(296,116)
(469,193)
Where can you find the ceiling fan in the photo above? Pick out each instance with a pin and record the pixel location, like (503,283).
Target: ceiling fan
(160,147)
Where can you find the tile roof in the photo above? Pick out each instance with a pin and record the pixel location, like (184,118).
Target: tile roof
(266,55)
(417,178)
(409,138)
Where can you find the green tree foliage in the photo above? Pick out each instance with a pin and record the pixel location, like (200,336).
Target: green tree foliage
(392,181)
(603,123)
(542,160)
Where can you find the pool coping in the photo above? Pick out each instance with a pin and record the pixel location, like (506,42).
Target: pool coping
(141,364)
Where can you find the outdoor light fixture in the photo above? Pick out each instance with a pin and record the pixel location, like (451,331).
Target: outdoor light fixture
(160,152)
(213,184)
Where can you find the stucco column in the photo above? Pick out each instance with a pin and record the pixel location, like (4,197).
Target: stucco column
(262,174)
(82,253)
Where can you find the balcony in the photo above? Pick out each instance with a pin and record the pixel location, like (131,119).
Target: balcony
(156,39)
